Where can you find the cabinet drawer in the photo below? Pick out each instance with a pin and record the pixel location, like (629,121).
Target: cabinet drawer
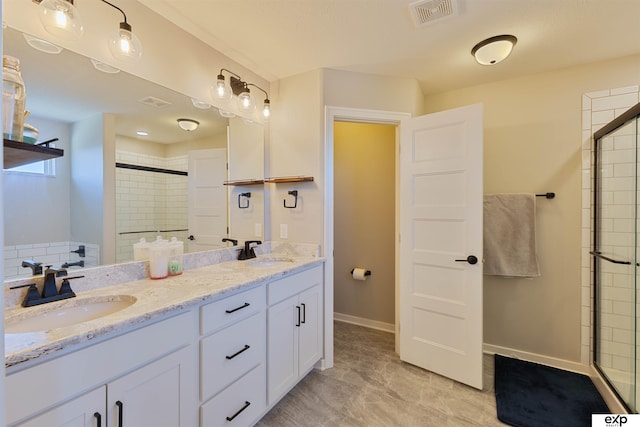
(226,311)
(249,392)
(230,353)
(288,286)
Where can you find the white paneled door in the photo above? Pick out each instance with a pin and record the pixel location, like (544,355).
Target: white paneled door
(441,243)
(207,198)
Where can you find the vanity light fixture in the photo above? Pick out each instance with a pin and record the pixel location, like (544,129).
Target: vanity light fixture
(239,88)
(61,18)
(124,44)
(494,49)
(188,124)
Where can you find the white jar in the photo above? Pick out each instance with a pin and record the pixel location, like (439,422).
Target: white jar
(176,251)
(159,259)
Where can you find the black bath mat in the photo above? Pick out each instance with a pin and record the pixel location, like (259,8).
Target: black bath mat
(533,395)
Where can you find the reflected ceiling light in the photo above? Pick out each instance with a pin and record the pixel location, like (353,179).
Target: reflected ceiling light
(245,100)
(42,45)
(200,104)
(225,113)
(188,124)
(60,18)
(105,68)
(142,133)
(123,44)
(494,49)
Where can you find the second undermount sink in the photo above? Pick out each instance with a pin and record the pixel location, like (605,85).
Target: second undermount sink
(66,313)
(268,261)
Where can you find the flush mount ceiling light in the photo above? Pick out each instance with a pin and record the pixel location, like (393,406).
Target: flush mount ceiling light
(494,49)
(245,100)
(105,68)
(200,104)
(60,18)
(142,133)
(188,124)
(42,45)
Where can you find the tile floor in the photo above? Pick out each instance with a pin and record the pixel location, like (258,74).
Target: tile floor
(369,386)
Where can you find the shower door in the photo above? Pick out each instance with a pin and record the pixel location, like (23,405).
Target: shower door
(615,254)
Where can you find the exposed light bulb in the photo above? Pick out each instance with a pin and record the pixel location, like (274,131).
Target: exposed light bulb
(61,18)
(266,109)
(125,45)
(245,101)
(221,90)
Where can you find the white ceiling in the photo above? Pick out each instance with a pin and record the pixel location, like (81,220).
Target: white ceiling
(280,38)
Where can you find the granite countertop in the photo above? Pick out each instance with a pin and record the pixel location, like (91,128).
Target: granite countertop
(155,299)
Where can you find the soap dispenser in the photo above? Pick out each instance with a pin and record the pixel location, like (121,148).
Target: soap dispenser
(176,251)
(159,259)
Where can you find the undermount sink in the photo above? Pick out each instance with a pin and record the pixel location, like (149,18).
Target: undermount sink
(66,313)
(268,261)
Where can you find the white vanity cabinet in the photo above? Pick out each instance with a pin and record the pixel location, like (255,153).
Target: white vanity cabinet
(131,380)
(232,359)
(295,328)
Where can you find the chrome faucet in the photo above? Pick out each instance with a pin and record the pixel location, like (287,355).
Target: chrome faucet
(247,252)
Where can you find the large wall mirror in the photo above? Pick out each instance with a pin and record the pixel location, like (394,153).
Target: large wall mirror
(113,186)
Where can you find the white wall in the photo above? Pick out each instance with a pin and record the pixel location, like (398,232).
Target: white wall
(533,143)
(297,137)
(28,199)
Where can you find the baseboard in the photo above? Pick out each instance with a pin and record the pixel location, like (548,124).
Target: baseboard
(567,365)
(606,392)
(367,323)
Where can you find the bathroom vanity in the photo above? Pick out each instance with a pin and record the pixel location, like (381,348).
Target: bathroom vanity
(218,345)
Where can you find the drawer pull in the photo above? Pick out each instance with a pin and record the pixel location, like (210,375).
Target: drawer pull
(246,347)
(98,418)
(246,405)
(120,411)
(304,313)
(245,305)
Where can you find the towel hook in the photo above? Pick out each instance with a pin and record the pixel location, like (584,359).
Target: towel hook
(240,205)
(293,193)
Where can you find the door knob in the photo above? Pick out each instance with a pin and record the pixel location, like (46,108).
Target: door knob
(191,237)
(471,259)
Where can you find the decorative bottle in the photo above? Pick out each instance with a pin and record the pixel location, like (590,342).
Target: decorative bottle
(14,97)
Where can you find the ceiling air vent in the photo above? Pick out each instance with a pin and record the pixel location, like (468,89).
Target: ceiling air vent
(153,101)
(426,12)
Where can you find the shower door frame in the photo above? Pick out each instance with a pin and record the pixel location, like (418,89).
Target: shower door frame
(629,115)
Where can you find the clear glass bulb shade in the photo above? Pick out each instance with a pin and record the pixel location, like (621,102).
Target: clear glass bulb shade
(266,110)
(220,90)
(125,45)
(246,103)
(61,18)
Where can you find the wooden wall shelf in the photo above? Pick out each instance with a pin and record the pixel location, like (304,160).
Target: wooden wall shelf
(245,182)
(20,153)
(289,179)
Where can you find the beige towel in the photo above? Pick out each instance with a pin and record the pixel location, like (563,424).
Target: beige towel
(510,235)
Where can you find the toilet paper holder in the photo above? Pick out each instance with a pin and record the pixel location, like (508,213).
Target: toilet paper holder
(366,273)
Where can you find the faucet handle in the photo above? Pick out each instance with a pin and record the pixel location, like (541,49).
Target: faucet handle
(32,294)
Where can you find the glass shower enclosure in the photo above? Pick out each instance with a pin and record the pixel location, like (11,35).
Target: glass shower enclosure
(616,255)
